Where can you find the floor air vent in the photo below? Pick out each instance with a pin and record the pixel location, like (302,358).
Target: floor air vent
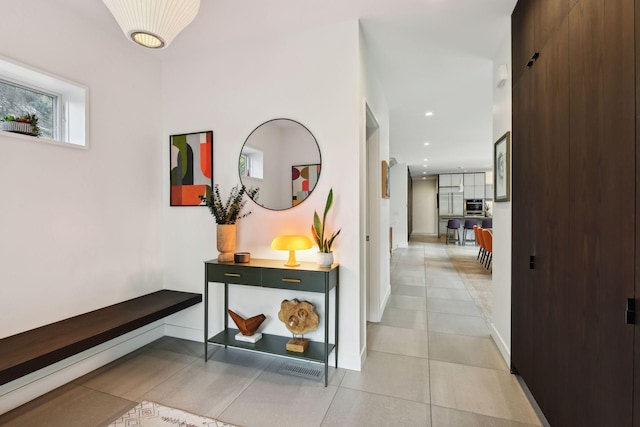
(301,371)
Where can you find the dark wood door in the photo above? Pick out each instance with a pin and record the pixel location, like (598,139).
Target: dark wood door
(522,46)
(533,24)
(523,245)
(548,15)
(574,206)
(602,179)
(541,226)
(636,358)
(550,290)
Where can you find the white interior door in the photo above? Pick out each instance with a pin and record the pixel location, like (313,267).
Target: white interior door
(374,194)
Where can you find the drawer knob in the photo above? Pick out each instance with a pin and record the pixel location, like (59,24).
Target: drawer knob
(291,280)
(232,274)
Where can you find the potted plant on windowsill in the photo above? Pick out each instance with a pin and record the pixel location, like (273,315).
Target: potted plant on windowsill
(325,256)
(26,124)
(226,214)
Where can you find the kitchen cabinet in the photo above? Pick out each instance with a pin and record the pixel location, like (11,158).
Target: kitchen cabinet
(451,180)
(454,189)
(472,184)
(444,180)
(574,120)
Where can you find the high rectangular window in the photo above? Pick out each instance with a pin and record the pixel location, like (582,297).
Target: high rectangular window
(60,105)
(18,100)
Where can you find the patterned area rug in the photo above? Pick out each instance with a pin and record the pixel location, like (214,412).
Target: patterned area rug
(151,414)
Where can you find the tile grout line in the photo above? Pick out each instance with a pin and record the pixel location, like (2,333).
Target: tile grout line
(426,303)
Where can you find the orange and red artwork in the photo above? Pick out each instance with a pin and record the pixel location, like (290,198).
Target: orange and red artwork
(191,168)
(303,180)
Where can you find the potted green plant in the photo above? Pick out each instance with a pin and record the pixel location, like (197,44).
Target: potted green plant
(26,124)
(226,213)
(325,256)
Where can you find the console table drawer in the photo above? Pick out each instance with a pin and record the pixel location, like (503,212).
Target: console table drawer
(297,280)
(232,273)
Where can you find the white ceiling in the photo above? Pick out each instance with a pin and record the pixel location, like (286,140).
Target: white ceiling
(429,55)
(439,59)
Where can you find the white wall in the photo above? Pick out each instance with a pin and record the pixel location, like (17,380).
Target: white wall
(399,205)
(372,97)
(501,317)
(230,86)
(425,215)
(80,228)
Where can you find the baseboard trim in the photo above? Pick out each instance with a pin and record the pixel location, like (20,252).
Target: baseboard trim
(35,384)
(502,345)
(385,300)
(363,357)
(190,334)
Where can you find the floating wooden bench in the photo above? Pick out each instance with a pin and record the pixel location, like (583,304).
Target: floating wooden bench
(29,351)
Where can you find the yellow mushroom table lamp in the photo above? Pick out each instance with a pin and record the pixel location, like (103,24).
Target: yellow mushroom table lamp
(291,243)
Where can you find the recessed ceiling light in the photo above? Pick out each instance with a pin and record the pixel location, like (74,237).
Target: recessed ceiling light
(424,166)
(429,113)
(426,160)
(426,143)
(424,173)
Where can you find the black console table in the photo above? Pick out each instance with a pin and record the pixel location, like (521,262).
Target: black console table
(267,273)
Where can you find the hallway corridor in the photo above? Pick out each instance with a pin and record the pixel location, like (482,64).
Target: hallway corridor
(430,362)
(434,337)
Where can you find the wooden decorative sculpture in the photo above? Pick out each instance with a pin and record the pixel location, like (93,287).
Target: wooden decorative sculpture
(247,327)
(299,317)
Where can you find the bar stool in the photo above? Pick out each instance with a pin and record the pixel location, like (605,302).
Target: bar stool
(478,232)
(487,238)
(468,226)
(454,226)
(487,223)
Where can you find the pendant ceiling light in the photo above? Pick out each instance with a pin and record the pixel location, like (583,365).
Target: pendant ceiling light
(153,23)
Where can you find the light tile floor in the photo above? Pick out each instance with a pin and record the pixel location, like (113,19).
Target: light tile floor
(430,362)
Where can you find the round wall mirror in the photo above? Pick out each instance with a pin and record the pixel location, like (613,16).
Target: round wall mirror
(281,158)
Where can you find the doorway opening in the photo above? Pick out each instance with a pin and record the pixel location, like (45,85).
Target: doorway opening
(372,256)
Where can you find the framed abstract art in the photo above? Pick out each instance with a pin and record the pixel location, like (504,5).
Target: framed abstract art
(191,167)
(502,168)
(303,180)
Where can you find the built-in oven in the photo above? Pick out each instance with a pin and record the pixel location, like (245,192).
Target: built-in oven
(474,207)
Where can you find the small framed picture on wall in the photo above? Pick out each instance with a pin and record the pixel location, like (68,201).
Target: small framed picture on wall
(386,187)
(191,167)
(502,169)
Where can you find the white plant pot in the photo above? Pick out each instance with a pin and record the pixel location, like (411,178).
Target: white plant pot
(325,259)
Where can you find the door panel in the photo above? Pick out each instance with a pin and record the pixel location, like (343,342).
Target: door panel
(636,357)
(549,14)
(550,293)
(522,243)
(521,38)
(602,170)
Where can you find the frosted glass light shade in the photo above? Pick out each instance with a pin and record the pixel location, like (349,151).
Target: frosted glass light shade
(153,23)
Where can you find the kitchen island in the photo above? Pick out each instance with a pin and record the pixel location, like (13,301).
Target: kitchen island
(443,219)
